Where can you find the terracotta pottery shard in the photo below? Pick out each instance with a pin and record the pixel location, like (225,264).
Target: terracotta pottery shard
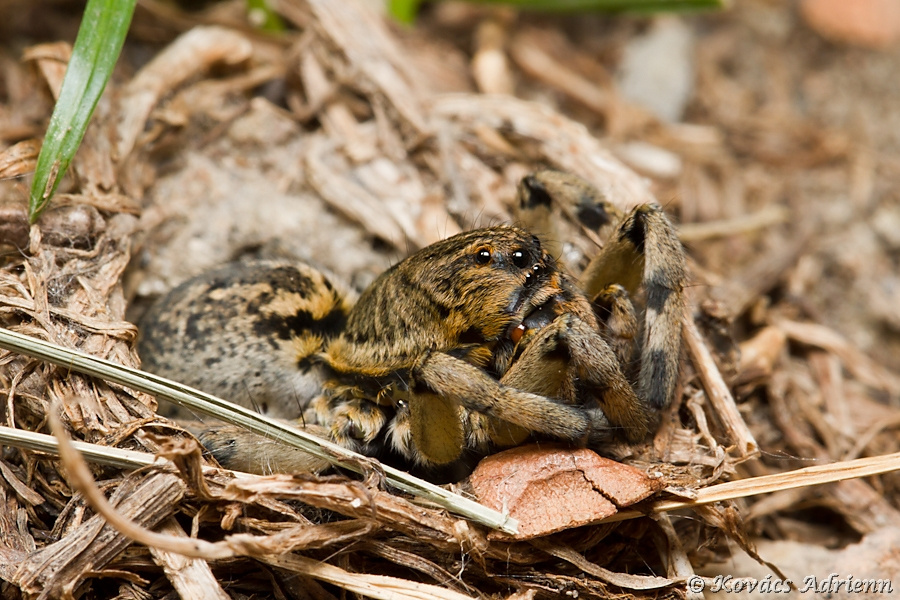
(551,488)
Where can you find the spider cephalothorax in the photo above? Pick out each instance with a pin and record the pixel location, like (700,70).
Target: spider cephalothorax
(475,342)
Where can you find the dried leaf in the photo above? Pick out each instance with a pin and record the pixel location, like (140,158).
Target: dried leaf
(550,488)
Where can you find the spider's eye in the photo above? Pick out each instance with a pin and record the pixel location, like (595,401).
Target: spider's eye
(519,259)
(482,256)
(529,277)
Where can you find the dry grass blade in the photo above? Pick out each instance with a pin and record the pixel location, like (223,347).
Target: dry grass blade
(624,580)
(732,490)
(767,484)
(95,453)
(220,409)
(104,455)
(373,586)
(767,217)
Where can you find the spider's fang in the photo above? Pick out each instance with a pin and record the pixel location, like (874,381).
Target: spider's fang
(517,332)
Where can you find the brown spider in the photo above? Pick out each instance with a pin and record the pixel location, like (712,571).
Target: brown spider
(476,342)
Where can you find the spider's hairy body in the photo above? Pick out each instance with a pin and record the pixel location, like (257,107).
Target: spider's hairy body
(453,305)
(473,343)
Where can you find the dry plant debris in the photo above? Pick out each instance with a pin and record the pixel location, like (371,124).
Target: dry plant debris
(347,142)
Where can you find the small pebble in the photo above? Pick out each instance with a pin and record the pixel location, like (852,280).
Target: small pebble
(867,23)
(657,69)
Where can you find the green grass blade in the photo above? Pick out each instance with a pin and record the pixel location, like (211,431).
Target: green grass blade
(405,11)
(261,14)
(97,47)
(609,5)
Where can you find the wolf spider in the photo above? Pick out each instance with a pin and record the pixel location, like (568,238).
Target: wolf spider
(476,342)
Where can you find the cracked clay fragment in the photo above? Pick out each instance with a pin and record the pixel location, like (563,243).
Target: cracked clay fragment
(552,488)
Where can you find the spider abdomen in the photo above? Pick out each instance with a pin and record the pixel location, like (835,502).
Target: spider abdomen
(245,332)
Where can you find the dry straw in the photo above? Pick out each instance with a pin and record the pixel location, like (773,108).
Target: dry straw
(225,411)
(201,402)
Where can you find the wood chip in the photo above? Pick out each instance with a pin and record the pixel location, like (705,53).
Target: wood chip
(862,367)
(59,566)
(191,577)
(718,392)
(23,491)
(19,159)
(193,53)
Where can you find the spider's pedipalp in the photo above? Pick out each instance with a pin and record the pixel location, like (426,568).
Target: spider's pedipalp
(465,385)
(618,319)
